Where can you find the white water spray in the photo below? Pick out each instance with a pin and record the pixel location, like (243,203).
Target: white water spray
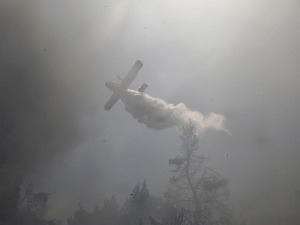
(158,114)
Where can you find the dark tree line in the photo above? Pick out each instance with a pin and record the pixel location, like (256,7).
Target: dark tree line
(139,208)
(21,205)
(197,196)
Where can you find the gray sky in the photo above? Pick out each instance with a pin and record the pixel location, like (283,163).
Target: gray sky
(236,58)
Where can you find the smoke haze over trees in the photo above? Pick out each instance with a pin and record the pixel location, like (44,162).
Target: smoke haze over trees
(58,148)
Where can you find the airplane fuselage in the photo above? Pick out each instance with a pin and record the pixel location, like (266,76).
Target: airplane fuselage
(112,86)
(125,82)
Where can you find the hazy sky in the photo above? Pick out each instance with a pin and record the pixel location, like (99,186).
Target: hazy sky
(236,58)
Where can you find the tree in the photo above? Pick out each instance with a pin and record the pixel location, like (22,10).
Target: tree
(81,216)
(110,211)
(199,189)
(10,188)
(138,205)
(35,203)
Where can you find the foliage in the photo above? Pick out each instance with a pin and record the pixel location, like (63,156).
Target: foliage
(197,197)
(21,205)
(81,216)
(199,189)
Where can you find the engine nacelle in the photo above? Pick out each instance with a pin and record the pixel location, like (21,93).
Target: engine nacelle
(142,88)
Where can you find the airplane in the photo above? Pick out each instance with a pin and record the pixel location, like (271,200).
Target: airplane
(125,82)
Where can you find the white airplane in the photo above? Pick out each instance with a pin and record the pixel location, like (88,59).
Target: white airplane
(125,82)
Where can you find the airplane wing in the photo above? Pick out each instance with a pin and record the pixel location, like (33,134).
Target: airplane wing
(124,84)
(111,101)
(131,74)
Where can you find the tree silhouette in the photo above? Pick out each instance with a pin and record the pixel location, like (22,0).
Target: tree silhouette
(138,205)
(199,189)
(81,216)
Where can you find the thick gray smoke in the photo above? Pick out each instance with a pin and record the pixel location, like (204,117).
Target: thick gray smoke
(40,113)
(158,114)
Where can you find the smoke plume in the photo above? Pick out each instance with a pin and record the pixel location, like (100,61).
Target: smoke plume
(158,114)
(40,110)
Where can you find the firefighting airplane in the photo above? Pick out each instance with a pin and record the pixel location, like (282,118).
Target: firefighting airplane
(125,82)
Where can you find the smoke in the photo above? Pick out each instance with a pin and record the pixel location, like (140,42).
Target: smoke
(157,114)
(40,110)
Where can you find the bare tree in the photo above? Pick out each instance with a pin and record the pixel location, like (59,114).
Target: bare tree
(199,189)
